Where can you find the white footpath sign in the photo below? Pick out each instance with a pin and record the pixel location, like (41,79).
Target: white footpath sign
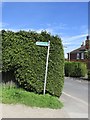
(45,44)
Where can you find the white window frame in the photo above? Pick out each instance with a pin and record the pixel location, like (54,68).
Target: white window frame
(82,55)
(78,56)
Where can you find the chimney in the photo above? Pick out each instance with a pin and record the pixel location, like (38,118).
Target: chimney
(88,37)
(87,43)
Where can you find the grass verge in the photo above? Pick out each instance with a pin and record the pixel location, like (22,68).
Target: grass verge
(19,96)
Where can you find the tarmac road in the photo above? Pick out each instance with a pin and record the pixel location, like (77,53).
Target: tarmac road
(75,97)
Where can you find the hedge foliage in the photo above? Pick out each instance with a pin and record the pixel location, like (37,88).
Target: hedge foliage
(89,75)
(0,52)
(75,69)
(27,61)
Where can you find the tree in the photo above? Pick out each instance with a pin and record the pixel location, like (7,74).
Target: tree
(87,54)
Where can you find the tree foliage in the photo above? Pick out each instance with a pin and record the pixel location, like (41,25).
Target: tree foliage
(87,54)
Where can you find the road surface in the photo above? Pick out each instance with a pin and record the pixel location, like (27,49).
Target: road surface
(75,97)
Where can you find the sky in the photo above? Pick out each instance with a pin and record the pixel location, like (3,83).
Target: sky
(68,20)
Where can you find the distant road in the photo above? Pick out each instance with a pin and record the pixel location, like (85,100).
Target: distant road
(75,97)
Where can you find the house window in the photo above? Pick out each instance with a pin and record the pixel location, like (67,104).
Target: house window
(82,55)
(78,55)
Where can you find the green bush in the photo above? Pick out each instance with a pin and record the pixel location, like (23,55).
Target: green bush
(75,69)
(21,55)
(88,74)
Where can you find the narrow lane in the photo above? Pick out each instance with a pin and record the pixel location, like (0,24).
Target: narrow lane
(75,98)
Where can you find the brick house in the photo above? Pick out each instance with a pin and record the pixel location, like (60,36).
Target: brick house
(79,53)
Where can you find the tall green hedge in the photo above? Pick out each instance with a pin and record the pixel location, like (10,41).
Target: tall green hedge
(75,69)
(21,55)
(0,51)
(89,75)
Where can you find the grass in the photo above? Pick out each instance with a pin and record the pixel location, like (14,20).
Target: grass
(13,95)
